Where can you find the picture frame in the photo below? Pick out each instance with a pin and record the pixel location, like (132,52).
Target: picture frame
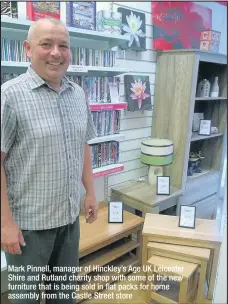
(163,185)
(187,217)
(115,212)
(205,127)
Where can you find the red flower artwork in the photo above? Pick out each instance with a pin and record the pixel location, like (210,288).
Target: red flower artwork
(177,25)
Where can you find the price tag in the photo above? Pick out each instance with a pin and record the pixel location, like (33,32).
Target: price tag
(187,216)
(78,69)
(163,185)
(115,212)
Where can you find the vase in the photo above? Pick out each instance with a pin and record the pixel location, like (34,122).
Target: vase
(215,88)
(203,89)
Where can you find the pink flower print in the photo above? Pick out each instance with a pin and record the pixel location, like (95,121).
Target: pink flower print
(138,89)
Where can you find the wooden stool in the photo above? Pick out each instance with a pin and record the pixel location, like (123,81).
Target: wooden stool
(194,255)
(170,268)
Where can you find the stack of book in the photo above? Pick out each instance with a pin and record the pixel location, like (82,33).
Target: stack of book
(104,154)
(106,122)
(13,50)
(90,57)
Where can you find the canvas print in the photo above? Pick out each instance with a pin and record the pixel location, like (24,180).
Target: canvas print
(134,28)
(41,9)
(81,15)
(9,9)
(178,25)
(137,91)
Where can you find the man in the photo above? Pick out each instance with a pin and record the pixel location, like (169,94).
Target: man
(46,124)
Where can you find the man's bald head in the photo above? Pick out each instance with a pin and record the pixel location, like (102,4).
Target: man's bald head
(33,28)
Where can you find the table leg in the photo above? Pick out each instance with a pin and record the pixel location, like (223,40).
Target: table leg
(144,251)
(213,273)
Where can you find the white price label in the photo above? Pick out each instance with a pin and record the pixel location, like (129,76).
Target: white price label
(78,69)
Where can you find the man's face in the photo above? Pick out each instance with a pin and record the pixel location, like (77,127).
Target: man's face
(49,51)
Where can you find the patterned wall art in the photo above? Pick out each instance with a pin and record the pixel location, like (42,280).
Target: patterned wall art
(178,25)
(137,91)
(134,28)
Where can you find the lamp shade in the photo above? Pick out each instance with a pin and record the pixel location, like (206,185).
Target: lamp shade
(157,152)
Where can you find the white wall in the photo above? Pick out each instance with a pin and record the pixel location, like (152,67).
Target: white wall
(135,125)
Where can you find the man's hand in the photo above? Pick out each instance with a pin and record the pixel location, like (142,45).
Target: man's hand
(91,208)
(11,238)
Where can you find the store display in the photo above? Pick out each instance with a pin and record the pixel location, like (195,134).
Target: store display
(41,9)
(137,92)
(203,89)
(109,22)
(215,88)
(134,28)
(81,15)
(9,9)
(210,41)
(94,70)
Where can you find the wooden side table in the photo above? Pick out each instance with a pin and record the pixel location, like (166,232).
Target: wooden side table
(142,197)
(164,229)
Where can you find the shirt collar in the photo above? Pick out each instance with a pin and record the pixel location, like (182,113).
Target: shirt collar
(35,81)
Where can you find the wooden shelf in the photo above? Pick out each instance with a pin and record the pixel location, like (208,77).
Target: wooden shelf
(109,277)
(210,98)
(196,136)
(108,254)
(202,174)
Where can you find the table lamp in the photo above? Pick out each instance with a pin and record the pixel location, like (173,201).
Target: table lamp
(156,152)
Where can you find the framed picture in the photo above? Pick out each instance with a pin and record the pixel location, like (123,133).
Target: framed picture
(205,127)
(137,92)
(178,25)
(115,212)
(163,185)
(187,217)
(134,29)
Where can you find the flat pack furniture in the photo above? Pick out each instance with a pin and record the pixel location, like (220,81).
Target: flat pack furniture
(102,243)
(199,256)
(142,196)
(164,229)
(187,272)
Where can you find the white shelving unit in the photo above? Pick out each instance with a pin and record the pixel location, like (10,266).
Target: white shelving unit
(20,67)
(17,29)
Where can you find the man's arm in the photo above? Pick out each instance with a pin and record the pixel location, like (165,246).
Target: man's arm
(91,207)
(11,235)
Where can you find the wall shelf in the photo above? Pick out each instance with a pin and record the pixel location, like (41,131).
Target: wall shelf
(100,139)
(107,170)
(93,71)
(17,29)
(196,136)
(107,106)
(209,98)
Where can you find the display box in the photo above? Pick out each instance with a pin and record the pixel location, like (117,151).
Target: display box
(210,41)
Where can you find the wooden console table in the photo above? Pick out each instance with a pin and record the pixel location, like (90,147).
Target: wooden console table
(164,229)
(142,196)
(102,243)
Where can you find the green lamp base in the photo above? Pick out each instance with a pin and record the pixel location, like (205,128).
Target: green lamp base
(153,173)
